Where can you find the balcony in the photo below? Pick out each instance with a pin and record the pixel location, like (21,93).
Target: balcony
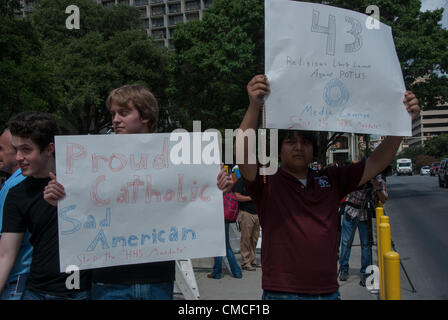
(175,20)
(108,4)
(156,1)
(192,6)
(192,16)
(157,11)
(159,34)
(145,23)
(140,3)
(158,23)
(171,32)
(207,3)
(143,13)
(174,8)
(160,43)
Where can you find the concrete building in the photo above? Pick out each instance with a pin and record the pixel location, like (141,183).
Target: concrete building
(159,17)
(432,122)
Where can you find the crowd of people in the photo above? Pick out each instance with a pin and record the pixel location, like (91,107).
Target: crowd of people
(296,209)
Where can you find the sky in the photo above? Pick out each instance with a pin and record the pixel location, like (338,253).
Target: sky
(436,4)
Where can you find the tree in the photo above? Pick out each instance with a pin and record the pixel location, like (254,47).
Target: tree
(424,160)
(437,146)
(214,60)
(109,50)
(26,81)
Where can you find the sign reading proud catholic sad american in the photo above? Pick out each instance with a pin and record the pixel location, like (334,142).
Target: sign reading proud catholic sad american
(330,71)
(138,198)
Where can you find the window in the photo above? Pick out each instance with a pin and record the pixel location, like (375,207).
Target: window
(192,16)
(174,8)
(173,20)
(139,3)
(109,4)
(192,5)
(159,22)
(157,11)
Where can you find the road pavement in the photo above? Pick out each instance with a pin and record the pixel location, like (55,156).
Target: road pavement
(418,210)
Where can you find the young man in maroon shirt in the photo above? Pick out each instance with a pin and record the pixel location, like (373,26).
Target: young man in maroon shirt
(298,207)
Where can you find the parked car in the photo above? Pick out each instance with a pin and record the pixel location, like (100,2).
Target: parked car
(443,173)
(424,170)
(434,168)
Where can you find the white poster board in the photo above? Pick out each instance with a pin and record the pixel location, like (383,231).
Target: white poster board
(127,202)
(329,72)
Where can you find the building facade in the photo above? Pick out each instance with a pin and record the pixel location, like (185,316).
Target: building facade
(159,17)
(431,122)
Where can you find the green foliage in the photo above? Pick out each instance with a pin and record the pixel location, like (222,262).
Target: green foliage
(214,60)
(109,50)
(437,146)
(26,81)
(49,19)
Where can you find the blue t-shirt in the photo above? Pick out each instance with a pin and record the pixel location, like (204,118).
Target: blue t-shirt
(23,260)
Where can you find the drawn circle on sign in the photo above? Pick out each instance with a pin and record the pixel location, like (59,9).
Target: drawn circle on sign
(335,93)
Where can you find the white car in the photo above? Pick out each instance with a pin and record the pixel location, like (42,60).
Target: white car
(424,170)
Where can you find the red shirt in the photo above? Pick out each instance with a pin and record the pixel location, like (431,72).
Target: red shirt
(299,227)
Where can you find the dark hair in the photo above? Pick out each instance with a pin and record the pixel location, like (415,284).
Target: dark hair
(289,134)
(38,126)
(3,128)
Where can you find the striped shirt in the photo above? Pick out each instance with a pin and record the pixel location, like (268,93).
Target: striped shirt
(357,198)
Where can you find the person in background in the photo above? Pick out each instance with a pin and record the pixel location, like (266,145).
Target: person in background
(230,211)
(15,284)
(353,208)
(249,226)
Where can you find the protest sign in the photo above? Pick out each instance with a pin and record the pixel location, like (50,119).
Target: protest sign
(329,71)
(135,198)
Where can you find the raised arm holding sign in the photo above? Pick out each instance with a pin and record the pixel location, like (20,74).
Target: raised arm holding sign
(298,207)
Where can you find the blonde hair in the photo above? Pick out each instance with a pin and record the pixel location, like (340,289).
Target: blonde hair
(142,99)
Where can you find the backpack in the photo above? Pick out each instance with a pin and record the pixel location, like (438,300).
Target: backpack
(230,207)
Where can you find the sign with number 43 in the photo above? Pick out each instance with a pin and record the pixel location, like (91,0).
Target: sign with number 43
(332,69)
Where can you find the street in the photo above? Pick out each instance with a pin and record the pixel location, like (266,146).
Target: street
(418,211)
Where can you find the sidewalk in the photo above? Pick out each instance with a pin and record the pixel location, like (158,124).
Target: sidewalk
(249,287)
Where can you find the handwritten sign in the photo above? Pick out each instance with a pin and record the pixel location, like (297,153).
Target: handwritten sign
(329,72)
(127,202)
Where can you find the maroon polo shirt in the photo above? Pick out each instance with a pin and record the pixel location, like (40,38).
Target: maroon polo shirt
(299,227)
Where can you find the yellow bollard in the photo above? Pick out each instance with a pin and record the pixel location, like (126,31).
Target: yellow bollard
(386,246)
(379,214)
(392,275)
